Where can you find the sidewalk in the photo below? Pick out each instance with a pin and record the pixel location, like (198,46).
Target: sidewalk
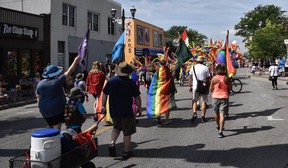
(25,100)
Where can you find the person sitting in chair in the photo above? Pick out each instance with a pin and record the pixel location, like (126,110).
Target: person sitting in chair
(26,86)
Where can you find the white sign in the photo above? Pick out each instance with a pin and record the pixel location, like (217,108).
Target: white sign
(286,41)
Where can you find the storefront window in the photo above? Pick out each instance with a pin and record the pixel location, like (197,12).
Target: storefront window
(12,62)
(37,61)
(25,56)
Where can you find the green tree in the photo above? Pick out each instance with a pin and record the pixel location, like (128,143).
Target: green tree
(193,35)
(268,42)
(256,19)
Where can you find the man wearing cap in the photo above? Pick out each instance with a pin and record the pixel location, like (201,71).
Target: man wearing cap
(50,93)
(121,91)
(203,74)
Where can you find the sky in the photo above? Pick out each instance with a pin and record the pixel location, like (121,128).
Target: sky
(210,17)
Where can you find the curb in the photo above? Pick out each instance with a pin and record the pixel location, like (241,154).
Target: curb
(17,104)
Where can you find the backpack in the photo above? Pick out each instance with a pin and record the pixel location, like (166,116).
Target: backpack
(69,110)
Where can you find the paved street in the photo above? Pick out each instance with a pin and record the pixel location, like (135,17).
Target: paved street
(255,135)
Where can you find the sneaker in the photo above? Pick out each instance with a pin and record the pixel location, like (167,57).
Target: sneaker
(220,135)
(127,155)
(194,117)
(112,150)
(203,120)
(276,88)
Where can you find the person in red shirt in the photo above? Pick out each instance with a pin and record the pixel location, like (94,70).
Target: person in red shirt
(95,80)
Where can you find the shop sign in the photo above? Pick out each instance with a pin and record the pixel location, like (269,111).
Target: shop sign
(16,31)
(139,51)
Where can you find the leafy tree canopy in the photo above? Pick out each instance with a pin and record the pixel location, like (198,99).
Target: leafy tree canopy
(193,35)
(256,19)
(268,42)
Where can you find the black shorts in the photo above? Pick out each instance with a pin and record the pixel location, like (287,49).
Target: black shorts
(127,125)
(55,120)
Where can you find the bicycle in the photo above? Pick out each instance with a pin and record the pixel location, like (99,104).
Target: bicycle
(236,85)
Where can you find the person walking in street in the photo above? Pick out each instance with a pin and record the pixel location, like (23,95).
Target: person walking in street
(95,80)
(160,98)
(203,74)
(121,91)
(81,85)
(273,70)
(75,113)
(219,87)
(50,93)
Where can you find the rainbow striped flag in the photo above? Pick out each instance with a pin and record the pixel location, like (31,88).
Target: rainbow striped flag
(160,95)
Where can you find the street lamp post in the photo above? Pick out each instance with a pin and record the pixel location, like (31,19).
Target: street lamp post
(121,20)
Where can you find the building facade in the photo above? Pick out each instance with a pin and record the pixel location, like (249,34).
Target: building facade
(142,39)
(70,19)
(22,44)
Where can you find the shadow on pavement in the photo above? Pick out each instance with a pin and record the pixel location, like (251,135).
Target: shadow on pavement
(262,156)
(20,125)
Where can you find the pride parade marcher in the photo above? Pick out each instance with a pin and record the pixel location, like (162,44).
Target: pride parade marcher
(50,94)
(203,74)
(95,80)
(160,98)
(219,87)
(121,91)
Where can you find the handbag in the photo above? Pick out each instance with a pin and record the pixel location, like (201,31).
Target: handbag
(202,87)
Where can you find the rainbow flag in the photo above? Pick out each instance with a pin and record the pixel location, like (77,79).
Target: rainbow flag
(160,95)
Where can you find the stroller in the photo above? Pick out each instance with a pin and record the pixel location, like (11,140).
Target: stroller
(81,156)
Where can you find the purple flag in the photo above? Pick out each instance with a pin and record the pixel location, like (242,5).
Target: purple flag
(82,50)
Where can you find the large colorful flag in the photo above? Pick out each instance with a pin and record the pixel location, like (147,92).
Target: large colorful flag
(230,69)
(184,37)
(160,95)
(83,48)
(118,49)
(183,54)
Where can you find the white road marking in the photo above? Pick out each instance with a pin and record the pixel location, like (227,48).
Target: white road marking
(274,119)
(25,112)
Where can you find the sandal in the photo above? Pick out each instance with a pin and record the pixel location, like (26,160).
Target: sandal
(112,150)
(127,155)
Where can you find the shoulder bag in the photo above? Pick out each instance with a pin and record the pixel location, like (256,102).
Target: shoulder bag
(202,87)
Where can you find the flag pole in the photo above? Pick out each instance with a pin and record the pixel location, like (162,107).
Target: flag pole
(87,53)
